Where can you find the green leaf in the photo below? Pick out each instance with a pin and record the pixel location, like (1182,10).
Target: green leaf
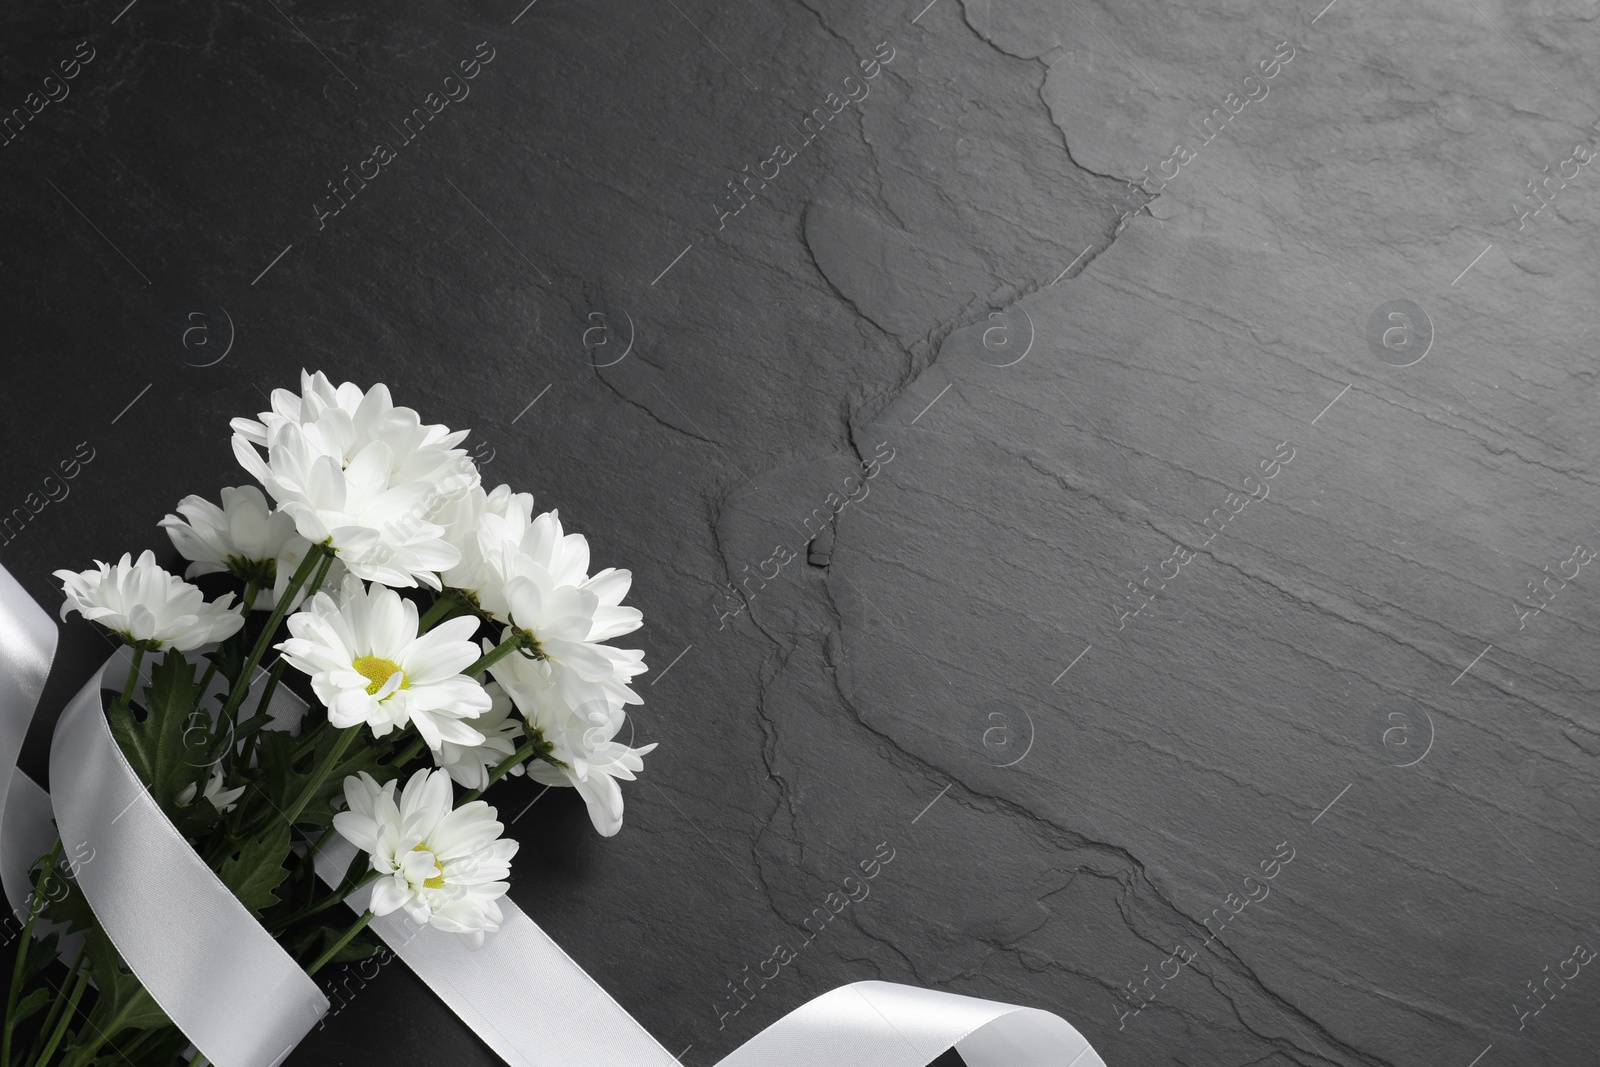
(69,906)
(308,943)
(360,864)
(276,778)
(64,903)
(164,1050)
(274,754)
(29,1004)
(231,654)
(160,747)
(254,869)
(283,777)
(196,819)
(48,885)
(366,754)
(42,952)
(251,725)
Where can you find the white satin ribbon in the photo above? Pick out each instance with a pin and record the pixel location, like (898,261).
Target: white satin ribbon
(244,1002)
(27,646)
(201,955)
(535,1007)
(889,1025)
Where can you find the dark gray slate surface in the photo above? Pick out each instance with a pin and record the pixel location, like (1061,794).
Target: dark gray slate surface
(948,275)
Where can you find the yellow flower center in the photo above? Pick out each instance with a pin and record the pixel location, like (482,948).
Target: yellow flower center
(437,881)
(377,670)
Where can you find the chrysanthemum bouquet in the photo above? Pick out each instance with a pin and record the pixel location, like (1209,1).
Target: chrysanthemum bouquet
(493,661)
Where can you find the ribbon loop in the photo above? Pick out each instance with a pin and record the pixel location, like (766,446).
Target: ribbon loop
(883,1024)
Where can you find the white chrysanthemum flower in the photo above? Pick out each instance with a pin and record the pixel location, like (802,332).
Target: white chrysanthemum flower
(507,545)
(371,519)
(148,606)
(369,665)
(568,625)
(582,736)
(224,800)
(361,475)
(469,765)
(594,763)
(559,619)
(243,537)
(544,588)
(468,520)
(578,689)
(446,868)
(345,419)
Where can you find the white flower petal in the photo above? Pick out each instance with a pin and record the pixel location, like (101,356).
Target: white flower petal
(145,603)
(445,867)
(347,464)
(389,893)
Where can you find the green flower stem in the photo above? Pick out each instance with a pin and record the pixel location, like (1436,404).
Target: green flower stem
(131,1050)
(274,676)
(77,982)
(322,575)
(411,752)
(327,902)
(315,585)
(133,675)
(35,906)
(309,863)
(333,950)
(444,605)
(518,639)
(319,777)
(82,1055)
(536,748)
(307,740)
(317,554)
(47,1027)
(251,590)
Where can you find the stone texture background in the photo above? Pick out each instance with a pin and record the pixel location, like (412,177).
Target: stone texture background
(948,272)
